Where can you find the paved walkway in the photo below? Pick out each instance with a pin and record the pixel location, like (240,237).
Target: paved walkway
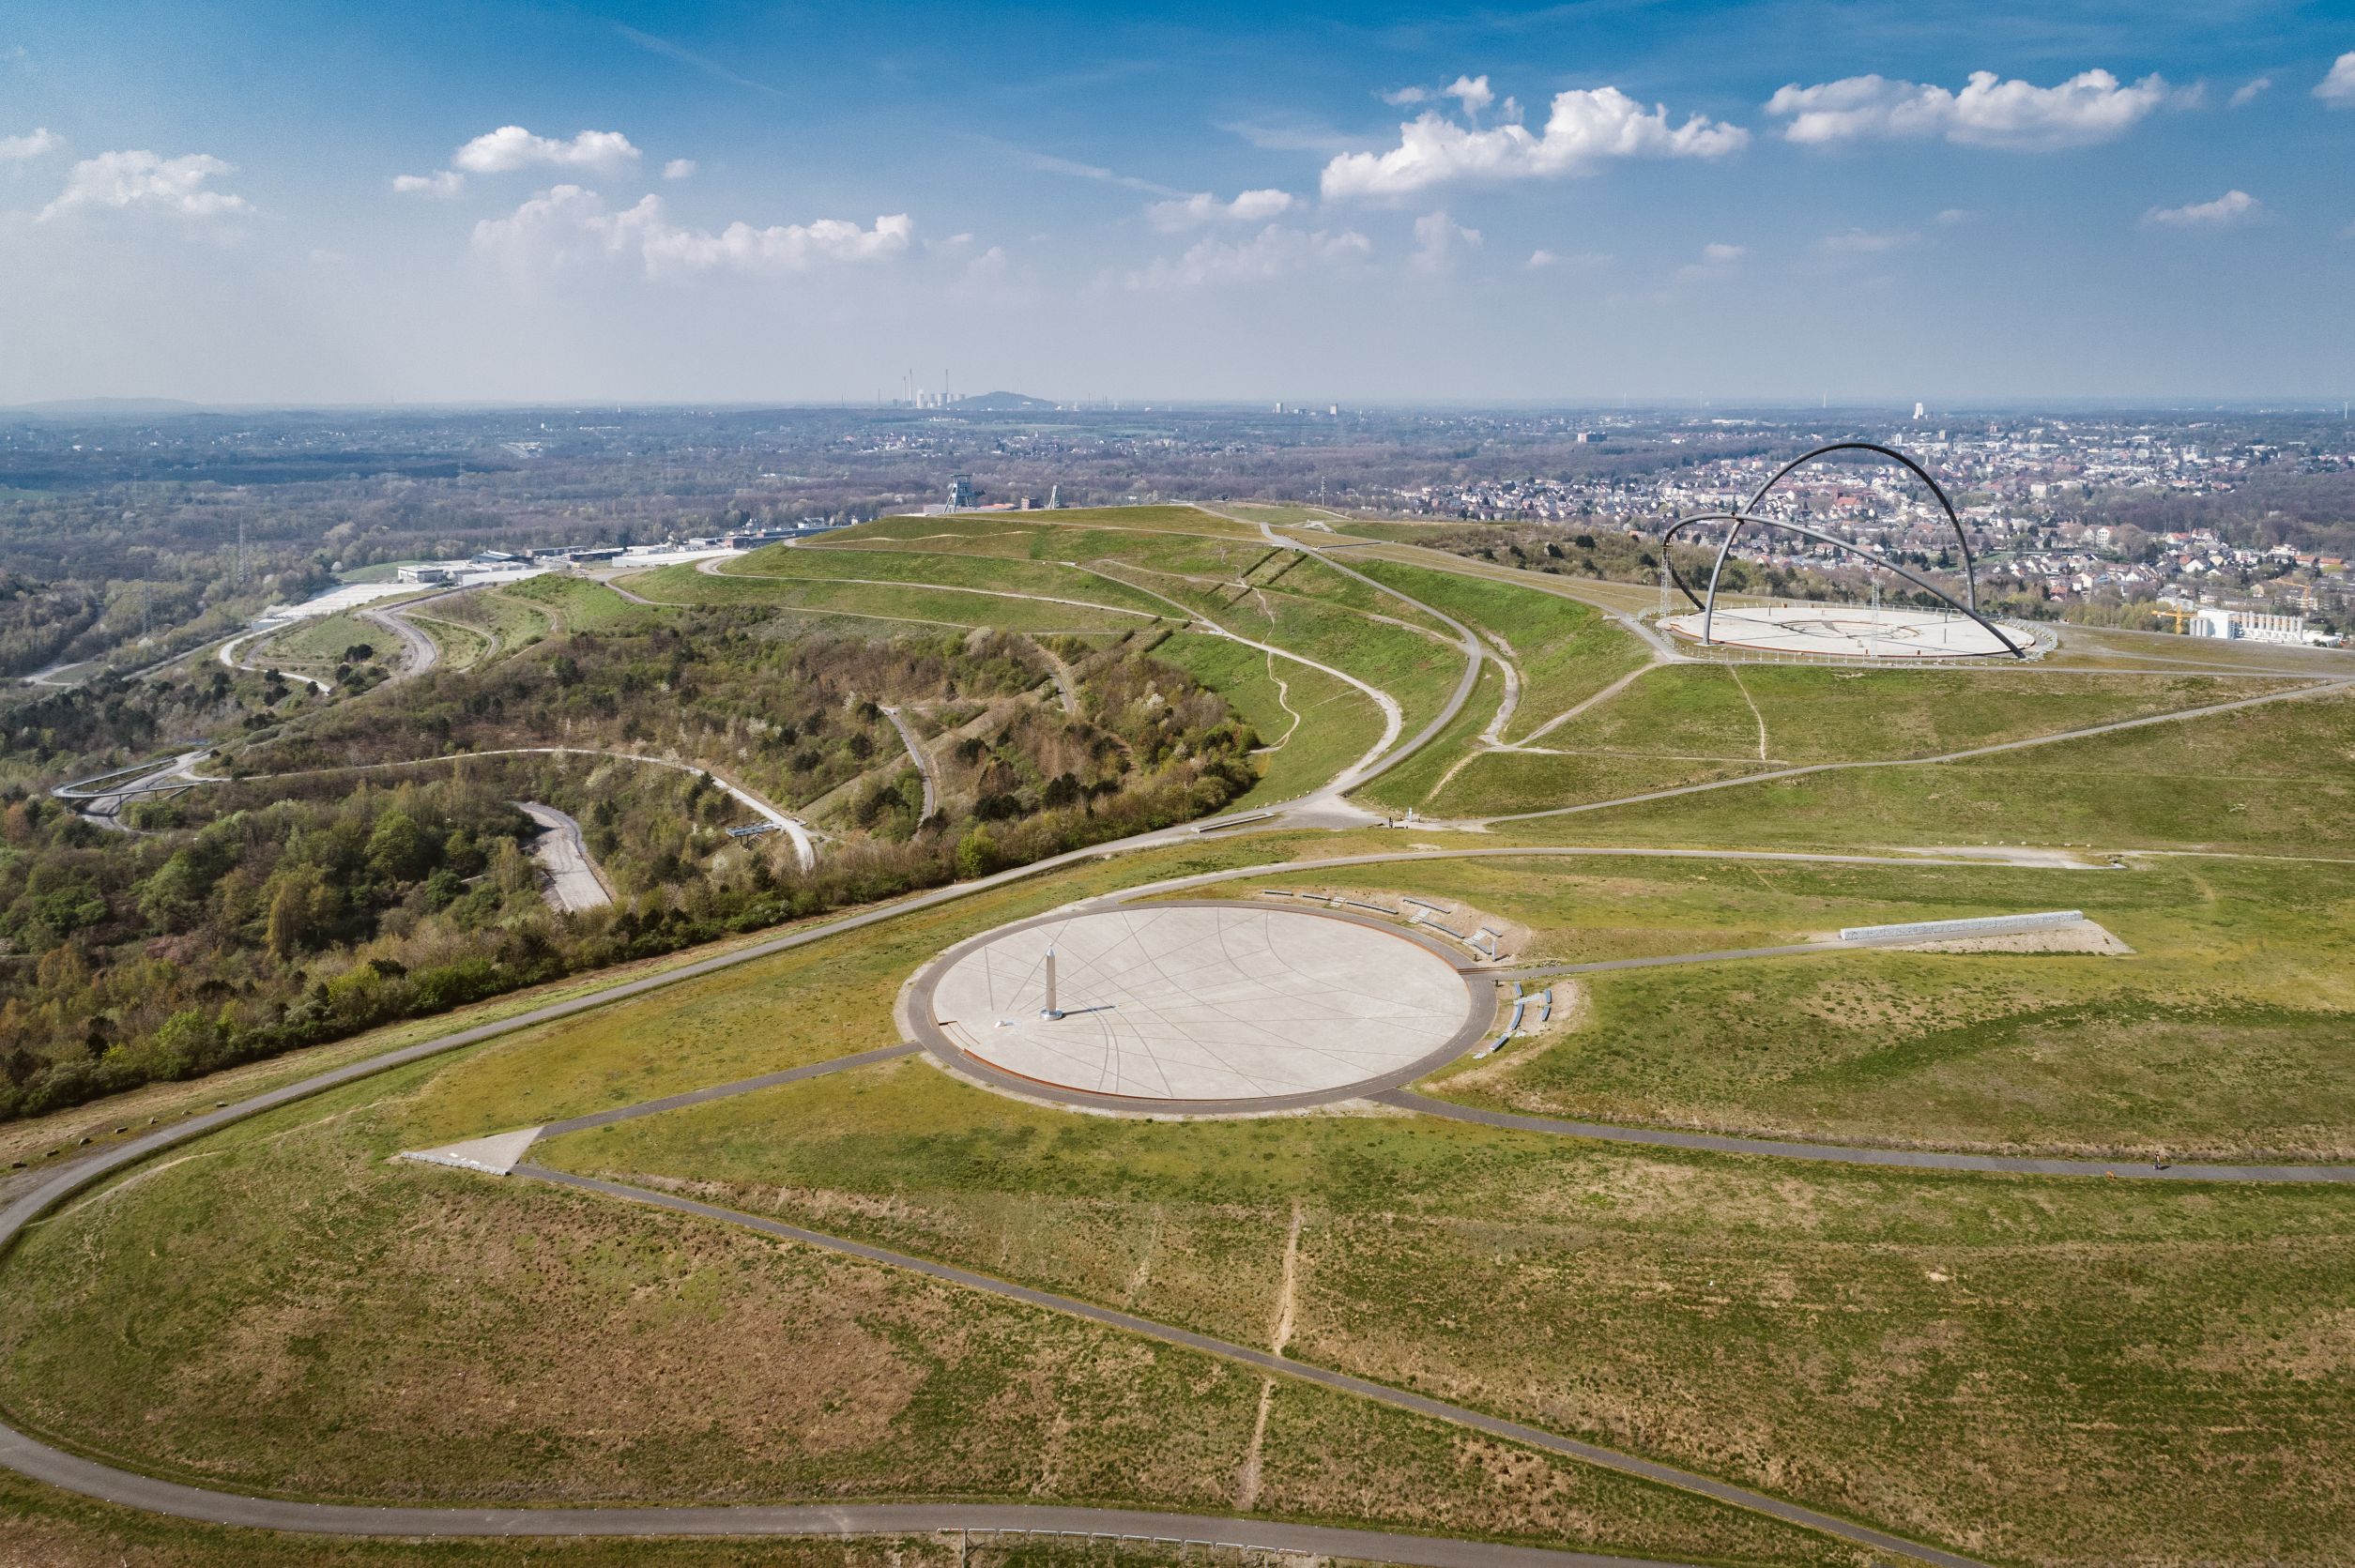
(1856,1154)
(573,881)
(2319,688)
(1278,1365)
(923,762)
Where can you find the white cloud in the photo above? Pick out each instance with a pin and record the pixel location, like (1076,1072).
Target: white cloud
(1716,262)
(1954,215)
(1541,260)
(512,148)
(1473,92)
(2248,91)
(2092,106)
(679,168)
(2338,88)
(124,180)
(1273,253)
(443,182)
(2233,207)
(1868,242)
(38,143)
(1585,127)
(568,222)
(1438,241)
(1192,212)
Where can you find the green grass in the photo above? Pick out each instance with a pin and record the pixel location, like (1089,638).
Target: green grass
(314,646)
(1829,715)
(39,1526)
(1420,671)
(577,603)
(1689,723)
(2279,779)
(988,573)
(2222,1036)
(1279,512)
(1565,651)
(462,647)
(874,607)
(1413,781)
(324,1321)
(1318,725)
(1306,576)
(1217,548)
(2038,1371)
(510,622)
(1140,519)
(1496,783)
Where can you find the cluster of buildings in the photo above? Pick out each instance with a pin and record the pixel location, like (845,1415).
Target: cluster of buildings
(495,566)
(2033,495)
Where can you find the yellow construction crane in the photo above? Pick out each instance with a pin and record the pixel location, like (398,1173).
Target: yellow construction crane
(2182,616)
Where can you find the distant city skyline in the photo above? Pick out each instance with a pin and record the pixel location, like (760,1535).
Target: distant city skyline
(1766,204)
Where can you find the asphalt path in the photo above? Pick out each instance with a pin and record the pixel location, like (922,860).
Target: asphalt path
(424,653)
(2319,689)
(1277,1366)
(712,568)
(1467,643)
(229,656)
(1393,716)
(72,1474)
(916,755)
(725,1091)
(572,880)
(89,1478)
(1855,1154)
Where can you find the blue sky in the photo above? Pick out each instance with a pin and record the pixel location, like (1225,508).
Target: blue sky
(1574,203)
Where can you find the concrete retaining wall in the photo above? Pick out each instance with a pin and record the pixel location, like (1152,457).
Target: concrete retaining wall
(1984,926)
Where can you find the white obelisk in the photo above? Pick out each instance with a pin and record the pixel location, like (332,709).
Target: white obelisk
(1050,1010)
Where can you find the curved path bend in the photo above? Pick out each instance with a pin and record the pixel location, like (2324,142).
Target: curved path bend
(72,1472)
(89,1478)
(1467,643)
(2319,688)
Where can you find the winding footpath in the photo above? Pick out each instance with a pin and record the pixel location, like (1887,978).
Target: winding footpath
(87,1477)
(2322,686)
(917,755)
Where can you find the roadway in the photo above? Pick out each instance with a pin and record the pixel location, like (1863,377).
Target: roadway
(917,755)
(93,1479)
(573,881)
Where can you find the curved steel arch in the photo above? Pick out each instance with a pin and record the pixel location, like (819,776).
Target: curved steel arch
(1970,580)
(1737,521)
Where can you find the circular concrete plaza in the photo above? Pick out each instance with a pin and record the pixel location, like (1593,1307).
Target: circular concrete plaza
(1846,631)
(1203,1006)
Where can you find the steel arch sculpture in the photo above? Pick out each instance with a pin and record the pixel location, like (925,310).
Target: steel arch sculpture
(1748,515)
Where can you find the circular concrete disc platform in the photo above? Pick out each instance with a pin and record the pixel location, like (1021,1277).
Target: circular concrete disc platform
(1199,1007)
(1846,631)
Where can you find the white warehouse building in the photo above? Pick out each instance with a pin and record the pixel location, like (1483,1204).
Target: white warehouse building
(2252,626)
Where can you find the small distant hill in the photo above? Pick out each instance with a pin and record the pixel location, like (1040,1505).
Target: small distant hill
(987,400)
(108,408)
